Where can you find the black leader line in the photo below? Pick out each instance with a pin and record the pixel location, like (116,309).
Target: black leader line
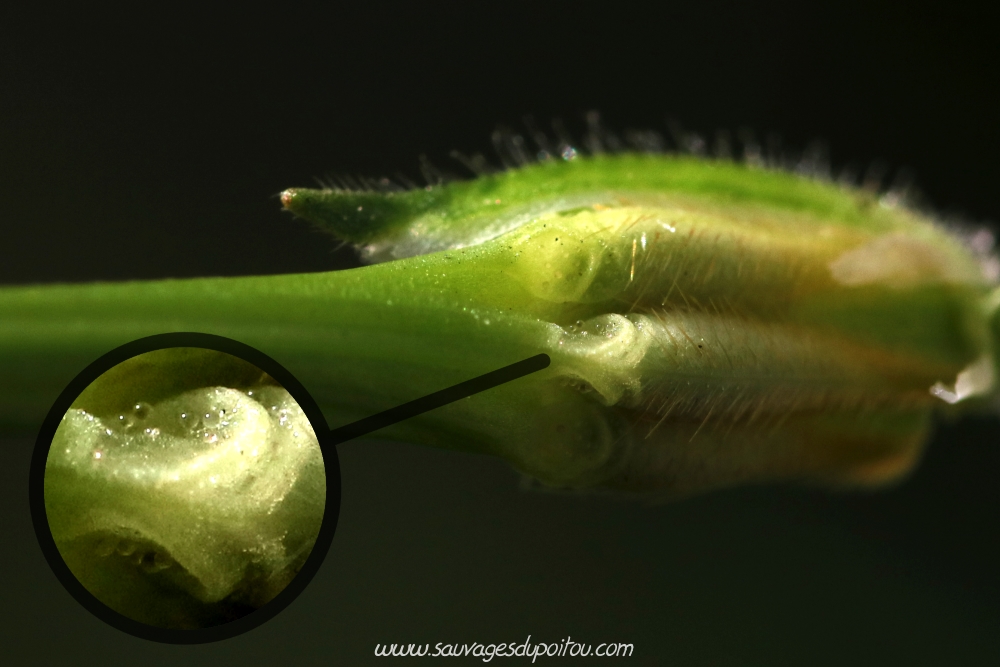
(438,399)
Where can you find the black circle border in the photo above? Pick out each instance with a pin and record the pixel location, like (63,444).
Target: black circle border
(43,442)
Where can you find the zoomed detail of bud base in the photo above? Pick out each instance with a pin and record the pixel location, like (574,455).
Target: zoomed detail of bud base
(184,488)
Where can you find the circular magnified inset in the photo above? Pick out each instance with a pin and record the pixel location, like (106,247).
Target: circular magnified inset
(185,489)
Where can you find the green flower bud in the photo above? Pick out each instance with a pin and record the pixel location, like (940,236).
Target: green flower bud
(708,322)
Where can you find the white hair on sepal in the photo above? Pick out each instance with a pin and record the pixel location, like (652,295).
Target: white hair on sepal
(815,161)
(476,163)
(847,177)
(646,141)
(510,147)
(691,143)
(752,153)
(599,139)
(515,150)
(342,182)
(774,156)
(433,176)
(874,176)
(902,190)
(723,146)
(546,151)
(566,150)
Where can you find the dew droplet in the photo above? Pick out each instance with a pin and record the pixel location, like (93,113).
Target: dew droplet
(189,421)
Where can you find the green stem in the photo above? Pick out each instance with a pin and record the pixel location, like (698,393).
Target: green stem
(356,349)
(360,341)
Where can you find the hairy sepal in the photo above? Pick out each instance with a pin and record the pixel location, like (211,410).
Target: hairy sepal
(709,323)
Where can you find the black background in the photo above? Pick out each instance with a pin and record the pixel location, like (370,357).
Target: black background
(154,144)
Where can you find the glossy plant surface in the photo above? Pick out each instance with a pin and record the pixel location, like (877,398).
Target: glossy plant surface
(184,488)
(709,322)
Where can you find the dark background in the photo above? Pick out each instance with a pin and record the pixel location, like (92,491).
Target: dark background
(154,144)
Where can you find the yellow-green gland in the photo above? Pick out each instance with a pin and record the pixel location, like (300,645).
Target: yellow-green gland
(188,511)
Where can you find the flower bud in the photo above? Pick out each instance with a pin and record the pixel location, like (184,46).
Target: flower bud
(708,322)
